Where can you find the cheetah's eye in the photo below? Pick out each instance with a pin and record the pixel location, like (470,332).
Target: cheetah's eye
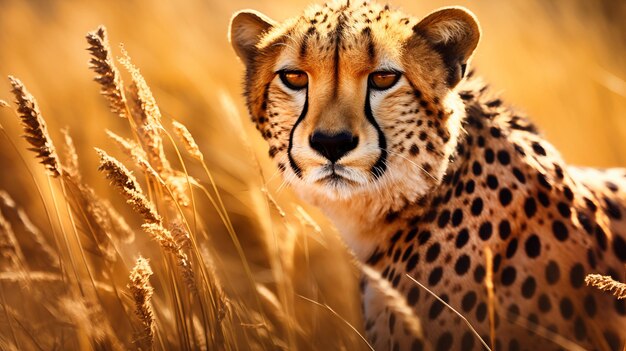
(383,80)
(296,80)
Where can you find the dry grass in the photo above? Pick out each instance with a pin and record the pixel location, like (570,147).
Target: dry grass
(491,308)
(608,284)
(235,262)
(182,300)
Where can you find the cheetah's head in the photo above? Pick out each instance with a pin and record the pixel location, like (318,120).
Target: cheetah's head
(356,98)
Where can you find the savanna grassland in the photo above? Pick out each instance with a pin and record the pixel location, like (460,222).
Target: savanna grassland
(141,211)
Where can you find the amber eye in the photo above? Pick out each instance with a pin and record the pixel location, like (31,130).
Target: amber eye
(383,80)
(296,80)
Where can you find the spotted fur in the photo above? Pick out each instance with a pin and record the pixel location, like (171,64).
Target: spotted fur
(442,170)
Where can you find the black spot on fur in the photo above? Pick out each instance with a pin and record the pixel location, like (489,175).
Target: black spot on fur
(437,307)
(619,247)
(485,230)
(505,229)
(533,246)
(444,343)
(469,301)
(559,230)
(553,273)
(479,274)
(577,275)
(462,238)
(590,306)
(612,209)
(538,149)
(505,196)
(567,308)
(530,207)
(435,276)
(509,274)
(477,206)
(413,295)
(462,264)
(528,287)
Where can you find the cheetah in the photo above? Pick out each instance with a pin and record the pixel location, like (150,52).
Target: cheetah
(373,116)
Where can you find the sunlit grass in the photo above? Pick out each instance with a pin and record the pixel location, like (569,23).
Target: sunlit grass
(237,260)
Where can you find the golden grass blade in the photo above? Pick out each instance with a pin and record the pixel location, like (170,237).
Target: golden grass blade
(36,134)
(54,255)
(35,130)
(47,278)
(307,220)
(142,292)
(174,184)
(117,173)
(97,215)
(130,148)
(82,200)
(147,118)
(491,300)
(105,221)
(394,301)
(545,333)
(89,318)
(70,166)
(275,204)
(9,248)
(142,93)
(127,184)
(7,204)
(453,310)
(70,254)
(120,226)
(146,115)
(26,328)
(340,318)
(188,141)
(5,307)
(608,284)
(172,244)
(107,75)
(273,305)
(177,182)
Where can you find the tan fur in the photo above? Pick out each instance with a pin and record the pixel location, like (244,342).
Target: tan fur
(441,170)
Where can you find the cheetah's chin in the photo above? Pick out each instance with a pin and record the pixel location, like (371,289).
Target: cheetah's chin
(336,174)
(337,181)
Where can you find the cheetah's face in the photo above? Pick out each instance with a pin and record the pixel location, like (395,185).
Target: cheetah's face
(355,98)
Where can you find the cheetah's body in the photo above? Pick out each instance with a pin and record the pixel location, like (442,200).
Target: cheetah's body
(436,172)
(547,224)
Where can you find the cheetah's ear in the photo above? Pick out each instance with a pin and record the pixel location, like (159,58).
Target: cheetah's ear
(246,30)
(454,33)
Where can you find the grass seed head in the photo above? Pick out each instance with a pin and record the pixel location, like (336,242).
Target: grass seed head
(107,75)
(146,115)
(171,242)
(142,292)
(127,184)
(35,130)
(608,284)
(188,141)
(71,156)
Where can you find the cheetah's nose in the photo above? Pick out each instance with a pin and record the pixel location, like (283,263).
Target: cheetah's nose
(333,146)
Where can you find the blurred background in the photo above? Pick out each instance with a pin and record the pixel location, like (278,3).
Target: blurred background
(561,62)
